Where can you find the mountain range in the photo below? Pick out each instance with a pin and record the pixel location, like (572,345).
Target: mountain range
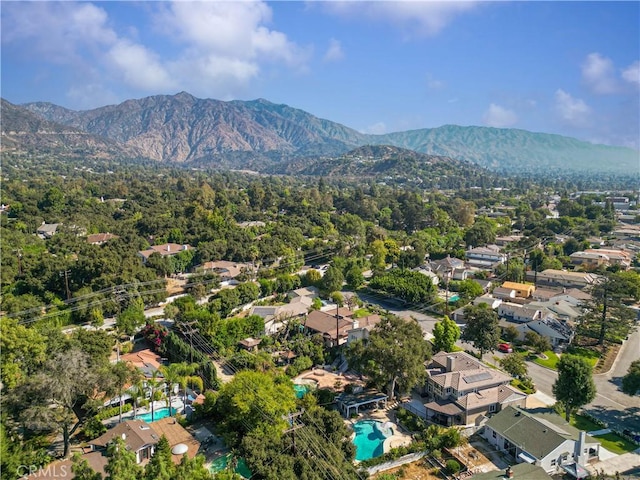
(183,128)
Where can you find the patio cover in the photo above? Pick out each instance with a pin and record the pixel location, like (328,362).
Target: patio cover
(526,457)
(575,470)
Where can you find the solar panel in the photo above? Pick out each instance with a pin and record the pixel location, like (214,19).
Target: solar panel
(477,377)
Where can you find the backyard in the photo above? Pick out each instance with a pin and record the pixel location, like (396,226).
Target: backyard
(611,441)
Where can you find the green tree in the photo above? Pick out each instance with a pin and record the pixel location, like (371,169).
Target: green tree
(130,319)
(631,381)
(52,397)
(192,469)
(510,334)
(575,386)
(122,462)
(482,327)
(446,333)
(178,373)
(481,233)
(607,316)
(537,342)
(23,350)
(252,399)
(160,467)
(514,365)
(393,356)
(120,375)
(333,279)
(354,277)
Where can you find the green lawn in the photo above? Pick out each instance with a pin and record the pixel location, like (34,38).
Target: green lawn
(616,444)
(589,355)
(612,442)
(583,423)
(550,362)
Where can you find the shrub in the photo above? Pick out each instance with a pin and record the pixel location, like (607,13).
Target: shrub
(113,411)
(453,466)
(93,428)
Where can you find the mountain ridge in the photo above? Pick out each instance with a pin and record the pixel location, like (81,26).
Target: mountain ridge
(183,128)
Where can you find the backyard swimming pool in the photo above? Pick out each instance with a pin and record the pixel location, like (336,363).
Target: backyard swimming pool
(369,439)
(221,463)
(158,414)
(303,386)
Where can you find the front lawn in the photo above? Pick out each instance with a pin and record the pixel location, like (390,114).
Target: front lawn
(588,354)
(550,362)
(615,443)
(583,423)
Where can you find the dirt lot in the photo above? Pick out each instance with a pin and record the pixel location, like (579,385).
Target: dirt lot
(420,470)
(413,471)
(175,286)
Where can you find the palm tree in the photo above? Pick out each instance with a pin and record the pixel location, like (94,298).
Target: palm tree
(137,391)
(154,383)
(178,373)
(122,373)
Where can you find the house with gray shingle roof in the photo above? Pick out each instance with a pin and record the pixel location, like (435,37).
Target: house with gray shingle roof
(542,439)
(461,389)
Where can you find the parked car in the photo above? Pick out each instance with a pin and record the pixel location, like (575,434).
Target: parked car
(505,348)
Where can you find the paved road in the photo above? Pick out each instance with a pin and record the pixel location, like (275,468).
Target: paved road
(611,405)
(426,321)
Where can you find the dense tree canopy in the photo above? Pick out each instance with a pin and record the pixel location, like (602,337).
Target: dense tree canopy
(393,356)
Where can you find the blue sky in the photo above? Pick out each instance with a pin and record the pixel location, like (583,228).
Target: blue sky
(571,68)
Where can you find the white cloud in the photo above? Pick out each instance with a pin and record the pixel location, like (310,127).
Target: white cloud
(56,31)
(497,116)
(599,74)
(631,74)
(375,129)
(334,53)
(573,111)
(139,67)
(218,47)
(414,17)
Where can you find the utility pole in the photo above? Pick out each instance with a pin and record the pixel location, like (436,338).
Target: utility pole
(188,329)
(293,427)
(337,324)
(66,282)
(19,252)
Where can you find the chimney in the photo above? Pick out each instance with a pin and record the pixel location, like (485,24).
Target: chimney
(168,247)
(184,247)
(509,472)
(451,362)
(580,446)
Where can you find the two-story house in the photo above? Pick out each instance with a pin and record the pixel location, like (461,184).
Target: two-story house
(485,257)
(460,389)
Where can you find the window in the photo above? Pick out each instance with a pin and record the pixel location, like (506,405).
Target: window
(493,433)
(492,408)
(448,390)
(553,462)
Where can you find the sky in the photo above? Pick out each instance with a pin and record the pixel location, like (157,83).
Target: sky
(571,68)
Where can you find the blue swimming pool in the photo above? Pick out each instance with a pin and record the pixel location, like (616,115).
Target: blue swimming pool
(301,390)
(454,298)
(369,439)
(221,463)
(158,414)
